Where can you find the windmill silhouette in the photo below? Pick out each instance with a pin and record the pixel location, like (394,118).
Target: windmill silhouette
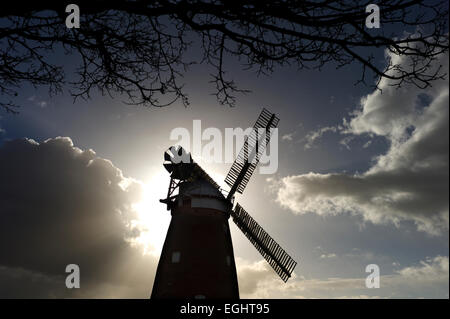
(197,259)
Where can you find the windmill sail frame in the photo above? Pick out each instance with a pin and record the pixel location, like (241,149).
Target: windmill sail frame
(251,152)
(278,259)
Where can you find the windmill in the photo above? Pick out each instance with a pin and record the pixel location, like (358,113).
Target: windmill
(197,259)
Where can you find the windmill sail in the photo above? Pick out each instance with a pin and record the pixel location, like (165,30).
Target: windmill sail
(244,165)
(278,259)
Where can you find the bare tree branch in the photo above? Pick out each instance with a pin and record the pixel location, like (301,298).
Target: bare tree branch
(140,49)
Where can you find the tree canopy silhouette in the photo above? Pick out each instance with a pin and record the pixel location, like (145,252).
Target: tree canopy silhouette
(141,48)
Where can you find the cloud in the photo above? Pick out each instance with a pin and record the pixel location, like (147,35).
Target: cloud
(428,279)
(328,256)
(432,270)
(62,205)
(346,141)
(288,137)
(23,283)
(367,144)
(324,254)
(332,99)
(252,275)
(39,102)
(313,136)
(409,182)
(2,130)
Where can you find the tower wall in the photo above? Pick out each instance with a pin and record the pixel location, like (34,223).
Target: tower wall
(197,260)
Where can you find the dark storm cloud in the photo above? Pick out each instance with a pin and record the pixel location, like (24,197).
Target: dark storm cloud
(60,205)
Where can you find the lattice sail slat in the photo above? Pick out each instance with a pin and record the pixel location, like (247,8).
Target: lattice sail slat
(251,152)
(277,258)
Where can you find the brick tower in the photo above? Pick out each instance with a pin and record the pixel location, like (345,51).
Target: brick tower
(197,259)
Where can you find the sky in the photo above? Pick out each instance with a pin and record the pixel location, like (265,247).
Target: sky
(362,179)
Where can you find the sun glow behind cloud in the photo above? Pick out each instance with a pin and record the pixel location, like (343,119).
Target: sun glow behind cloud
(153,218)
